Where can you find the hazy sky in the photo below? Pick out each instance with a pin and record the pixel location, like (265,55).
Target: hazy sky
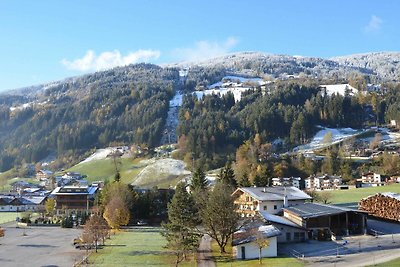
(43,41)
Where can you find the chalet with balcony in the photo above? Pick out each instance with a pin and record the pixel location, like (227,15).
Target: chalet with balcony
(250,200)
(286,181)
(74,197)
(370,179)
(323,182)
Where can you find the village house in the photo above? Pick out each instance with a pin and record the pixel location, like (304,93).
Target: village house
(250,200)
(21,203)
(290,232)
(244,244)
(74,197)
(394,179)
(323,182)
(43,175)
(370,179)
(286,181)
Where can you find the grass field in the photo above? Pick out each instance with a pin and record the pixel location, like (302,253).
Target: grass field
(105,169)
(356,194)
(392,263)
(142,246)
(8,216)
(227,260)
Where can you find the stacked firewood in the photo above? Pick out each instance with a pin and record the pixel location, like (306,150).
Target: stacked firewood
(385,205)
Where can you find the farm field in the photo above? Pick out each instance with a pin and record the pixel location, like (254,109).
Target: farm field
(356,194)
(139,246)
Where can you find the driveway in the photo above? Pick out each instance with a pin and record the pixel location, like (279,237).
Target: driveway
(204,258)
(38,246)
(352,251)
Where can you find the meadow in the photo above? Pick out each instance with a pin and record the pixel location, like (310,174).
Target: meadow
(356,194)
(140,246)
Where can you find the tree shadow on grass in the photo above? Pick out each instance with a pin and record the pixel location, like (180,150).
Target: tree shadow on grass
(113,245)
(223,258)
(37,246)
(148,252)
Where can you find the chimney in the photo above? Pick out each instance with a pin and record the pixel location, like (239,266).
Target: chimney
(285,199)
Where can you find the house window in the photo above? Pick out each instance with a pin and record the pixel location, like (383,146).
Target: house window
(302,236)
(275,207)
(288,237)
(265,208)
(297,236)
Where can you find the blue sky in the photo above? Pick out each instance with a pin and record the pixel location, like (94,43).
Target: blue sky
(42,41)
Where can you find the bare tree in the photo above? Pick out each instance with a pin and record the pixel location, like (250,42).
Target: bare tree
(261,243)
(96,229)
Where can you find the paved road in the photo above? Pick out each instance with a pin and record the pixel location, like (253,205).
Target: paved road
(204,256)
(40,246)
(358,251)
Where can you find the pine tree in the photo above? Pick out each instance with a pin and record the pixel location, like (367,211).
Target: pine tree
(199,181)
(180,231)
(244,181)
(227,176)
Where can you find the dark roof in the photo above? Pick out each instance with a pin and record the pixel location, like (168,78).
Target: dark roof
(274,193)
(311,210)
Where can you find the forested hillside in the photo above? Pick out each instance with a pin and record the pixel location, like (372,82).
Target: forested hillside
(124,105)
(129,105)
(213,128)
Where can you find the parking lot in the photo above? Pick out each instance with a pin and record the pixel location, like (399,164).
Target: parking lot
(39,246)
(358,250)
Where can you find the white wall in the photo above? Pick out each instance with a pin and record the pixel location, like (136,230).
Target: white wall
(252,250)
(279,205)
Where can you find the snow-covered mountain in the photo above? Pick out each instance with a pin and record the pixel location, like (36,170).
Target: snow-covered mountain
(384,64)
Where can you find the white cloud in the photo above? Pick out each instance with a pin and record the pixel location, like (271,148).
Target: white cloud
(205,50)
(374,24)
(109,59)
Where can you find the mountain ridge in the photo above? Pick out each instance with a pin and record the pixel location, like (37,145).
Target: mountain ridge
(380,64)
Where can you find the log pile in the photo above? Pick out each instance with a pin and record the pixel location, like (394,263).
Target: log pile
(382,205)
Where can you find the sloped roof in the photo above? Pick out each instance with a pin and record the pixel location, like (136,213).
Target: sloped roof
(311,210)
(75,190)
(248,236)
(274,193)
(277,219)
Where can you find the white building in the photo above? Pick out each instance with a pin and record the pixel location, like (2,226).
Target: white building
(250,200)
(244,246)
(323,182)
(371,179)
(25,203)
(286,181)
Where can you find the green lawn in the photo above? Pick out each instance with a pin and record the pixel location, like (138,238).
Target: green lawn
(141,246)
(356,194)
(392,263)
(105,169)
(227,259)
(8,216)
